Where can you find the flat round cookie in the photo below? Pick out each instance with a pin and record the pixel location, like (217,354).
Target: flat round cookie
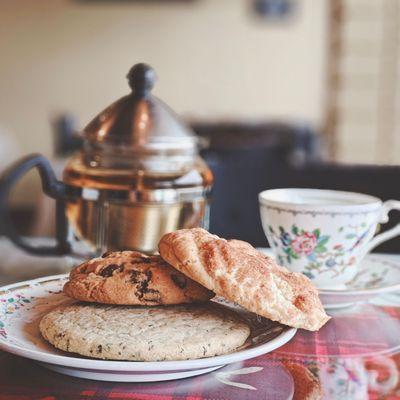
(145,333)
(132,278)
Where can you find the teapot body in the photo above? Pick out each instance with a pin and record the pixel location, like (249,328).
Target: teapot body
(132,209)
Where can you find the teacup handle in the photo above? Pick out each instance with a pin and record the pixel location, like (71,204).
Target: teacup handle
(387,206)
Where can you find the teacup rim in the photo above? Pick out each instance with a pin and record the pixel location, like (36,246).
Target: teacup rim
(367,202)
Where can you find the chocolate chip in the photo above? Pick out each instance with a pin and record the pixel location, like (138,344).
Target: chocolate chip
(179,281)
(143,288)
(137,276)
(141,277)
(141,259)
(142,280)
(109,270)
(151,295)
(106,254)
(99,348)
(149,275)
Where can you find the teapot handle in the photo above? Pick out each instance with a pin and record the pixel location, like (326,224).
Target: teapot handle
(52,187)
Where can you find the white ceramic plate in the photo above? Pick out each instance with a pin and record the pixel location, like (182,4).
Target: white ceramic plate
(23,304)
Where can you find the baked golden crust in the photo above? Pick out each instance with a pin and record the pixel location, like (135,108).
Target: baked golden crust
(237,271)
(132,278)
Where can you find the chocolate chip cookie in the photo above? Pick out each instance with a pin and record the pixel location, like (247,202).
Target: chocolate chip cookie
(132,278)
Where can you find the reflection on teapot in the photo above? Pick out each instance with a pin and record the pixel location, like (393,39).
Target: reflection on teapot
(137,177)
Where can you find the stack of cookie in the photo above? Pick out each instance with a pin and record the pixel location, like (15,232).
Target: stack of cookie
(133,278)
(151,308)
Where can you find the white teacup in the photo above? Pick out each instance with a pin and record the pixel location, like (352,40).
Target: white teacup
(324,233)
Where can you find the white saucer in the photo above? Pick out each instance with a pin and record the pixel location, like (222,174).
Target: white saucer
(379,274)
(23,304)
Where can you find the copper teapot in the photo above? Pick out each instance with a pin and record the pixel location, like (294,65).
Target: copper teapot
(137,176)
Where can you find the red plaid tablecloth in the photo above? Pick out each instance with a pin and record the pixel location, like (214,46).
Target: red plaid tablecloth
(335,363)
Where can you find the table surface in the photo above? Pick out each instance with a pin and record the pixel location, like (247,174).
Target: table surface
(355,356)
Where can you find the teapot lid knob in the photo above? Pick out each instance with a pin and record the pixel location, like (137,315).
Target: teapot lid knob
(141,79)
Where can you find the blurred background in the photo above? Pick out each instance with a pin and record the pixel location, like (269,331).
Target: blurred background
(287,92)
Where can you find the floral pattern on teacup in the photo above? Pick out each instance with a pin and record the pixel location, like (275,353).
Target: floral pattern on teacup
(370,279)
(300,242)
(322,255)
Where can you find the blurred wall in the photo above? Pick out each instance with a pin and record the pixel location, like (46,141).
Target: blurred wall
(366,82)
(214,59)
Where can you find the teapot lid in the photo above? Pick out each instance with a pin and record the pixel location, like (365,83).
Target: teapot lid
(140,122)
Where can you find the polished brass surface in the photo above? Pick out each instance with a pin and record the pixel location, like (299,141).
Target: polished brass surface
(140,121)
(139,174)
(126,210)
(114,226)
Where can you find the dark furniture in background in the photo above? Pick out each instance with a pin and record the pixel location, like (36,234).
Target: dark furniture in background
(247,159)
